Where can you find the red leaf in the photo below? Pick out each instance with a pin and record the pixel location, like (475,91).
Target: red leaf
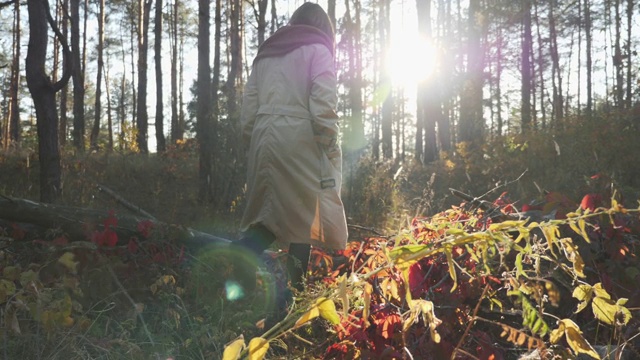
(145,227)
(591,202)
(110,238)
(132,246)
(60,241)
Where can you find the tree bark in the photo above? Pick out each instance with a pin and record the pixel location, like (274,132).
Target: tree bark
(43,93)
(471,117)
(558,112)
(204,103)
(95,131)
(526,68)
(589,62)
(385,82)
(14,104)
(159,121)
(142,120)
(78,79)
(64,94)
(176,131)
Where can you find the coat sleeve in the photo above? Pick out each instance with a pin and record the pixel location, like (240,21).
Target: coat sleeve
(249,108)
(323,97)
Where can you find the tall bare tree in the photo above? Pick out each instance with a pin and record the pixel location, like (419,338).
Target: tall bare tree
(629,53)
(78,78)
(14,128)
(204,103)
(157,49)
(471,119)
(556,77)
(95,131)
(142,121)
(64,93)
(526,68)
(176,128)
(43,92)
(385,81)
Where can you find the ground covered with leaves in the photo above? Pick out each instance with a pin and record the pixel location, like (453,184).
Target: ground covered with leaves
(483,280)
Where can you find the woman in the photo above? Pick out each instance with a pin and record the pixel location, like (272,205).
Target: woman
(290,128)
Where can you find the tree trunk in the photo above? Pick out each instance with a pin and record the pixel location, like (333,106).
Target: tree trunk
(471,117)
(109,108)
(14,103)
(385,82)
(43,93)
(204,103)
(558,112)
(428,99)
(525,67)
(176,133)
(541,68)
(630,65)
(157,49)
(64,94)
(95,131)
(354,134)
(589,36)
(618,58)
(261,18)
(142,121)
(78,79)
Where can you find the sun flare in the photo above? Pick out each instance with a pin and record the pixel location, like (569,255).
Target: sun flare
(412,59)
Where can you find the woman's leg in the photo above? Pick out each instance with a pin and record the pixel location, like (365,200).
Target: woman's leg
(297,264)
(257,239)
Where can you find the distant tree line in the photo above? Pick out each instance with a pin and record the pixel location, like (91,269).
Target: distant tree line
(504,67)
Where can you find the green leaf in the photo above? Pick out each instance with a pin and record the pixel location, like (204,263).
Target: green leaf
(405,256)
(7,289)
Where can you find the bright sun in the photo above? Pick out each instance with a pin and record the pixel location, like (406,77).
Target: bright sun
(412,59)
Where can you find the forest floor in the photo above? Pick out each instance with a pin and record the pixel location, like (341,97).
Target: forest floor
(544,261)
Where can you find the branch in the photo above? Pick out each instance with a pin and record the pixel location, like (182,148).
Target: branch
(125,203)
(66,63)
(7,3)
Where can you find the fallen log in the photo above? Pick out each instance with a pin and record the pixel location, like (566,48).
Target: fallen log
(78,224)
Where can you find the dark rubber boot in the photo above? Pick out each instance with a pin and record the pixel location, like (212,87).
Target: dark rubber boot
(297,264)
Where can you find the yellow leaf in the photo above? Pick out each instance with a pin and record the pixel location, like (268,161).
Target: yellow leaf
(328,310)
(584,293)
(556,334)
(600,291)
(67,260)
(605,310)
(452,269)
(576,341)
(342,294)
(258,348)
(233,349)
(313,313)
(368,290)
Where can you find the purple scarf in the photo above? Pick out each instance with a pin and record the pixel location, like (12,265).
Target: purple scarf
(291,37)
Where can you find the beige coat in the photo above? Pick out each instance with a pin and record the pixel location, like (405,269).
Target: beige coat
(282,98)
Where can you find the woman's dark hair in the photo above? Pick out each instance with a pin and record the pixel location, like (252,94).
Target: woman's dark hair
(313,15)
